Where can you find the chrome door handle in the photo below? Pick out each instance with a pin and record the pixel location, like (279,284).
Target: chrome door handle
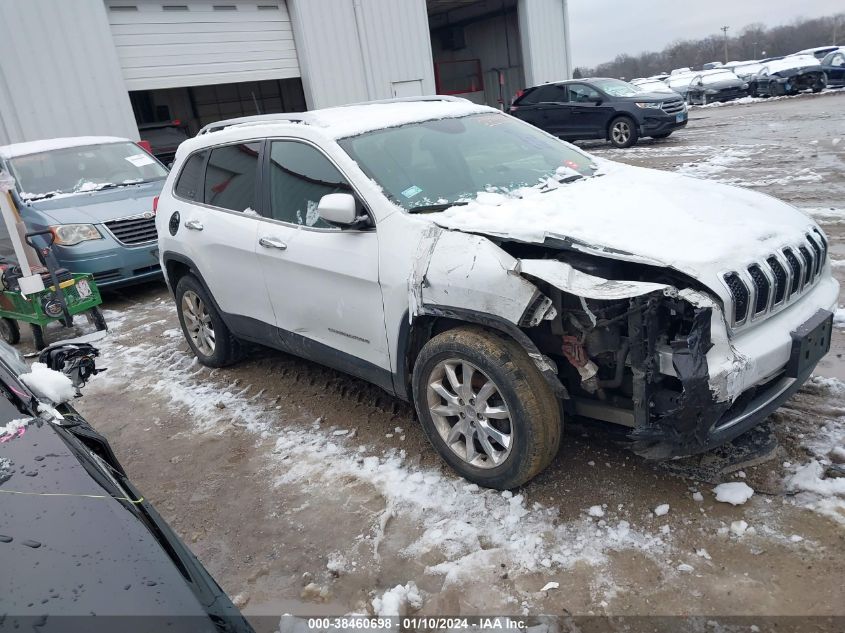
(194,225)
(272,242)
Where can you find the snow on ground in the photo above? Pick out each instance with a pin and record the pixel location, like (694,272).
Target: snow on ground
(815,488)
(462,528)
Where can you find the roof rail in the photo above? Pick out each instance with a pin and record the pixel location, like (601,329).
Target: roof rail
(304,117)
(281,117)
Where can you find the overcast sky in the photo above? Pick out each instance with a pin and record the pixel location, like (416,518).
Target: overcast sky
(601,29)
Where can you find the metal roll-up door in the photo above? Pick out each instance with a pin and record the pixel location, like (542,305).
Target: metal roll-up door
(179,43)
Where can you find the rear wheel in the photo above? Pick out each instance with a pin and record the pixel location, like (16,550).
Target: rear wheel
(10,331)
(202,325)
(623,132)
(485,407)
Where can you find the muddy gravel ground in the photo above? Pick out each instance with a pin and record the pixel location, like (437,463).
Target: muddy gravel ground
(305,491)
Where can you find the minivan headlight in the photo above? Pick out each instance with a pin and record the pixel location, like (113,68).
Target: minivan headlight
(645,104)
(70,234)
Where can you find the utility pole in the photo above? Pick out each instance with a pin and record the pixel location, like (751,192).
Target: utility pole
(725,31)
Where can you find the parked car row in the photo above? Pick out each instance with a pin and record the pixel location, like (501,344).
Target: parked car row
(813,69)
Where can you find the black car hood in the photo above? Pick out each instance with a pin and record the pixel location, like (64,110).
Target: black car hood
(68,547)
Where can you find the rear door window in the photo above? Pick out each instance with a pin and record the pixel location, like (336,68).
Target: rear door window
(231,176)
(189,184)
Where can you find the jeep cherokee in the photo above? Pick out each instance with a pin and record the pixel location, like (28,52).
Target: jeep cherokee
(496,276)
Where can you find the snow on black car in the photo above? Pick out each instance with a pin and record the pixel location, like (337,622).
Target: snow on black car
(498,277)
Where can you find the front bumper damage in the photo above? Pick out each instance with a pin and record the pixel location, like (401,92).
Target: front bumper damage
(700,387)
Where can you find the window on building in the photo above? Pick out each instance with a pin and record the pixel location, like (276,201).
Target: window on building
(300,175)
(230,176)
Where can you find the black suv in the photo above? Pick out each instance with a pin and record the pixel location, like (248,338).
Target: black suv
(600,108)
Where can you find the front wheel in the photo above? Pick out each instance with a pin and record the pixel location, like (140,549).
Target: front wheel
(95,317)
(209,338)
(820,84)
(623,132)
(485,407)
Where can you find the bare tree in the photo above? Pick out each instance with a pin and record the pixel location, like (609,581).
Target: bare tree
(750,43)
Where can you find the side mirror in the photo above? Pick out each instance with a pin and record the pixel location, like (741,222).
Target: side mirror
(596,100)
(338,208)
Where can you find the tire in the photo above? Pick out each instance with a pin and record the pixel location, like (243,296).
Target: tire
(820,84)
(38,337)
(623,132)
(776,90)
(663,135)
(204,330)
(96,318)
(527,411)
(10,331)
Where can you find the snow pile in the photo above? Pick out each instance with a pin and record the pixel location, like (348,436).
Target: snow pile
(735,492)
(397,601)
(809,478)
(595,511)
(49,384)
(662,509)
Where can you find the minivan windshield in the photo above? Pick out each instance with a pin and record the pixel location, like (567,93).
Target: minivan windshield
(446,161)
(73,170)
(617,87)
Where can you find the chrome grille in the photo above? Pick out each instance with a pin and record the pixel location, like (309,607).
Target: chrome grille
(766,286)
(673,106)
(133,231)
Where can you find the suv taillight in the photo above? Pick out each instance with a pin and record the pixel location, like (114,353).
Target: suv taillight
(155,205)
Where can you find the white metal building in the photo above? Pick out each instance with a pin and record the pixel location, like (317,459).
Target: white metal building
(105,66)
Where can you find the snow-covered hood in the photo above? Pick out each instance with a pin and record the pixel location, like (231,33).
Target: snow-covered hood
(698,227)
(93,208)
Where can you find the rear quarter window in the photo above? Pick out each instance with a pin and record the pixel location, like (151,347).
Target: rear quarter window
(189,182)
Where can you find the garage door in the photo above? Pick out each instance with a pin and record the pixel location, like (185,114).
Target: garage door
(180,43)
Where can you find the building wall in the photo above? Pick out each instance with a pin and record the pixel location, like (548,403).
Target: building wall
(494,40)
(59,72)
(360,50)
(544,30)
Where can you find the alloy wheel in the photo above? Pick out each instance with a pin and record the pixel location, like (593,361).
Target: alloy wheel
(621,132)
(198,322)
(469,413)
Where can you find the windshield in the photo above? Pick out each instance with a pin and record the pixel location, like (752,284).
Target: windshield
(616,87)
(74,170)
(449,161)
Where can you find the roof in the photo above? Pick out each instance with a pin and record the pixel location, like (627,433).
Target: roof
(351,120)
(50,144)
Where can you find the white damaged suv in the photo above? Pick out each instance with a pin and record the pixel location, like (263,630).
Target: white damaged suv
(497,277)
